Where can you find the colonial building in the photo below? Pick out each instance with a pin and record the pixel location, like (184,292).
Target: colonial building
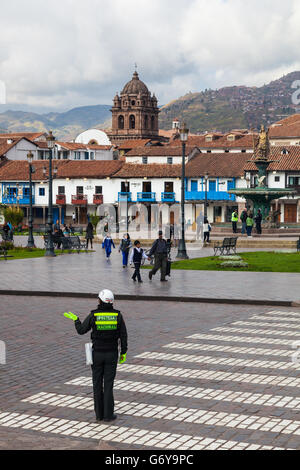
(134,113)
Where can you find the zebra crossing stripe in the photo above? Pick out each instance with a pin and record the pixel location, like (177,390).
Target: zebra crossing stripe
(241,339)
(277,401)
(267,324)
(186,415)
(122,434)
(229,349)
(285,314)
(256,331)
(203,374)
(275,320)
(227,361)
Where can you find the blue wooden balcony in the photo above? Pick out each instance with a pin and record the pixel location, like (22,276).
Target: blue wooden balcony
(211,196)
(146,197)
(167,197)
(124,197)
(16,193)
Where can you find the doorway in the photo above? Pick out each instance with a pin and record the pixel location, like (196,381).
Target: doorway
(290,213)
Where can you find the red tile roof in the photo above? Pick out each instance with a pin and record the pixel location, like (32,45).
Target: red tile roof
(217,165)
(289,161)
(160,151)
(77,146)
(28,135)
(18,170)
(131,144)
(242,141)
(152,170)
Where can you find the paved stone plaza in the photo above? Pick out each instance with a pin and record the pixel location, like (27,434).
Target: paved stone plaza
(86,273)
(198,376)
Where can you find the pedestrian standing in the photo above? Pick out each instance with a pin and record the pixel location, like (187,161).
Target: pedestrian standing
(136,257)
(258,220)
(249,225)
(74,218)
(89,235)
(124,247)
(66,231)
(108,330)
(6,231)
(206,230)
(234,220)
(243,218)
(107,244)
(160,251)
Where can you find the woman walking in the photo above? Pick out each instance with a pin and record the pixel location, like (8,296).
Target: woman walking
(206,230)
(125,246)
(89,234)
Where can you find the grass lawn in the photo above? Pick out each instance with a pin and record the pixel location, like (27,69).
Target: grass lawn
(22,253)
(263,261)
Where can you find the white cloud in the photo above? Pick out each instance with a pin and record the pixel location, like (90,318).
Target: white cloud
(65,53)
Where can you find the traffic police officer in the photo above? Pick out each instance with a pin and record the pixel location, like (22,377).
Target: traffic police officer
(108,327)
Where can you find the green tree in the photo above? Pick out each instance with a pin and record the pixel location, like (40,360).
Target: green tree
(94,218)
(14,215)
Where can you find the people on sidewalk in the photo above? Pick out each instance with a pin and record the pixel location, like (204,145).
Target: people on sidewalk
(108,330)
(234,220)
(136,257)
(258,220)
(89,235)
(107,244)
(124,247)
(249,224)
(160,251)
(243,218)
(206,230)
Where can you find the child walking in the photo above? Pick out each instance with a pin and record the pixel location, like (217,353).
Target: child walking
(125,246)
(136,257)
(107,244)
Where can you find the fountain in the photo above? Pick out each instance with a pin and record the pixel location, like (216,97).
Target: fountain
(262,196)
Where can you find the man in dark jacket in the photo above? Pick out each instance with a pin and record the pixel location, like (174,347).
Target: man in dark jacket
(108,327)
(258,220)
(160,251)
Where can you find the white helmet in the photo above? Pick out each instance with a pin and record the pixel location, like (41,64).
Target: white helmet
(106,296)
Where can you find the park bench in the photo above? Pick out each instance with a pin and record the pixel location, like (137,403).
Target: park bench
(227,246)
(66,243)
(3,252)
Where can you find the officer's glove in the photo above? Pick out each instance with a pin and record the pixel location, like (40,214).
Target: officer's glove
(122,358)
(71,316)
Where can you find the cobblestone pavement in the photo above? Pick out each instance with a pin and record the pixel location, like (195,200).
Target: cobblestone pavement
(197,377)
(86,272)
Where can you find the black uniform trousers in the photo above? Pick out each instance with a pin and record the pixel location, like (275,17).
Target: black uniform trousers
(137,273)
(104,370)
(160,262)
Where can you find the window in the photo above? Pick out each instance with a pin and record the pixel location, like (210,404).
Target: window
(41,191)
(98,189)
(152,123)
(170,160)
(169,187)
(125,187)
(146,122)
(26,192)
(65,155)
(212,185)
(132,103)
(86,155)
(77,156)
(92,155)
(79,190)
(121,122)
(61,190)
(277,179)
(131,121)
(145,160)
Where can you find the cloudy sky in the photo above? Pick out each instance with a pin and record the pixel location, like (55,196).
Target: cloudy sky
(65,53)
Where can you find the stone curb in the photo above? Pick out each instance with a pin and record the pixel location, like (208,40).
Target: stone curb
(87,295)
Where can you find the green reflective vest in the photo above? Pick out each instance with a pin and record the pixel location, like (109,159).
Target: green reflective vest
(234,217)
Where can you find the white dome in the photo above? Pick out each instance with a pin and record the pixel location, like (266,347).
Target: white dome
(93,135)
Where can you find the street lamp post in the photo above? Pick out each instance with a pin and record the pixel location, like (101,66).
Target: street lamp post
(30,243)
(205,203)
(50,245)
(127,187)
(182,254)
